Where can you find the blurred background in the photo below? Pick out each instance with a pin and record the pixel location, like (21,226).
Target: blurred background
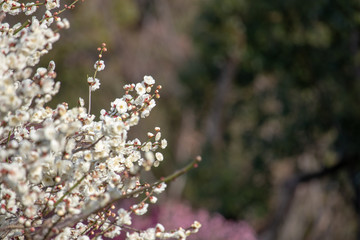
(267,92)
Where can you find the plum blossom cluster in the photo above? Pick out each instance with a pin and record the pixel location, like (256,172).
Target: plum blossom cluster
(61,170)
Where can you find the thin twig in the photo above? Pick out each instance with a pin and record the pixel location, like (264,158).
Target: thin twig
(12,226)
(89,110)
(87,147)
(76,218)
(67,193)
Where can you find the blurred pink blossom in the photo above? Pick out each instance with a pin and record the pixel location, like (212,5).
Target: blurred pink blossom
(174,214)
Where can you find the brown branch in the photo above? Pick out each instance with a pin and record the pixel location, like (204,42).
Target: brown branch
(323,172)
(88,146)
(287,192)
(214,120)
(70,221)
(13,226)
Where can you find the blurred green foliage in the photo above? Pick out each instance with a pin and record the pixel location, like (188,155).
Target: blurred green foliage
(77,54)
(295,90)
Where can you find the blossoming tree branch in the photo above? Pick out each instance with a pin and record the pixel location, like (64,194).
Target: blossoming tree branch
(62,171)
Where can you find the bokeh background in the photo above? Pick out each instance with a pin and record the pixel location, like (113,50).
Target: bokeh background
(267,92)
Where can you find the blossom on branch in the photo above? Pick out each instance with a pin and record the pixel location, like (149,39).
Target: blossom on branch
(61,171)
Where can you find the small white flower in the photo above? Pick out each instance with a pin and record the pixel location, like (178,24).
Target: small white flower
(30,9)
(134,120)
(196,225)
(124,217)
(133,236)
(140,210)
(121,107)
(128,162)
(116,163)
(51,4)
(67,24)
(140,89)
(160,188)
(6,7)
(147,147)
(145,113)
(160,227)
(163,143)
(48,14)
(64,167)
(149,80)
(60,25)
(159,156)
(94,83)
(158,136)
(152,104)
(148,234)
(51,66)
(99,65)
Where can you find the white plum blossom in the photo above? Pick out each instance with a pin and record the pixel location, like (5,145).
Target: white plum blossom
(160,188)
(124,217)
(94,83)
(163,143)
(51,4)
(6,7)
(120,105)
(99,65)
(153,199)
(140,209)
(30,8)
(149,80)
(158,136)
(159,156)
(140,89)
(62,168)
